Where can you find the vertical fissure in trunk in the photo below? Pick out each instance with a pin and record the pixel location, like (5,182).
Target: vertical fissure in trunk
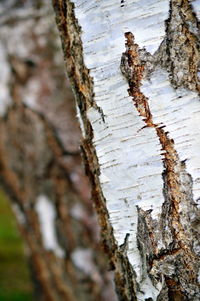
(133,69)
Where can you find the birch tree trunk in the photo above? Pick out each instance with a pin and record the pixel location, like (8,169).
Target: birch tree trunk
(40,163)
(134,67)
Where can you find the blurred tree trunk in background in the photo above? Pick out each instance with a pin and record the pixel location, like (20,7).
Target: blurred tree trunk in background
(135,69)
(40,163)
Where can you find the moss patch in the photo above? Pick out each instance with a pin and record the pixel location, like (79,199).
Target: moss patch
(15,283)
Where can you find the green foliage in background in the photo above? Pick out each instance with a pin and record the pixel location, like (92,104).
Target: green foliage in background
(15,284)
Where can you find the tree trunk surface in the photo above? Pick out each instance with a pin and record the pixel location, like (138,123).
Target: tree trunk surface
(134,68)
(40,162)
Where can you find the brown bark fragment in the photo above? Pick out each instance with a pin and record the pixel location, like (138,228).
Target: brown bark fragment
(182,57)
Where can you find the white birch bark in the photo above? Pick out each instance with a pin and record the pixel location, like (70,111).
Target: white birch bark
(134,66)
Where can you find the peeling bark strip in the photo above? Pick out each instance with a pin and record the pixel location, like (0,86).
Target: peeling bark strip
(143,158)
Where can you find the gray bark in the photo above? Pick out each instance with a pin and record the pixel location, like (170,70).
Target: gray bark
(40,162)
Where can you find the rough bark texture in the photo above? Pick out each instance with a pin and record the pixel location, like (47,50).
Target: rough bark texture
(40,163)
(149,217)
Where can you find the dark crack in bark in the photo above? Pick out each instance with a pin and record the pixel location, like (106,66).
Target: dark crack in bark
(176,261)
